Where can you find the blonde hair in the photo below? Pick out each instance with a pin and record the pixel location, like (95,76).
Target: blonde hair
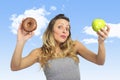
(48,47)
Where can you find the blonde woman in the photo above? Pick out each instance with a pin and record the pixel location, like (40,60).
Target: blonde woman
(58,55)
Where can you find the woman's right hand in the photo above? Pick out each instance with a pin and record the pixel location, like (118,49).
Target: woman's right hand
(23,35)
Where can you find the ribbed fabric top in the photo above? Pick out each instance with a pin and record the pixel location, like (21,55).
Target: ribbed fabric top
(62,69)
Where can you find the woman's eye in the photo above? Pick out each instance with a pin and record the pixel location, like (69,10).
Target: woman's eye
(59,27)
(67,29)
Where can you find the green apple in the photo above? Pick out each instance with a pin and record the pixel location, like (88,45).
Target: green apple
(98,24)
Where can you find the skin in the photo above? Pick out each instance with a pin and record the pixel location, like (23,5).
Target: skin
(61,31)
(61,27)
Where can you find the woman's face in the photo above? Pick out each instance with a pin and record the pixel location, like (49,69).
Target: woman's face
(61,30)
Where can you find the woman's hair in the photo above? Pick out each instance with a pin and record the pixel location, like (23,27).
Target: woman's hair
(49,44)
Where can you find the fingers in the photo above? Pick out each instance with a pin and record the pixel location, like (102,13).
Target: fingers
(23,33)
(103,33)
(30,34)
(20,28)
(108,28)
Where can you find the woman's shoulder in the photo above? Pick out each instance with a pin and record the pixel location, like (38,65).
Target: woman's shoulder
(77,44)
(36,52)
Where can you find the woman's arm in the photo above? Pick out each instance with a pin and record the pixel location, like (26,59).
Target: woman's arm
(17,61)
(91,56)
(102,35)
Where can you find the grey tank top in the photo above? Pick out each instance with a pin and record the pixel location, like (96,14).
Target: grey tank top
(62,69)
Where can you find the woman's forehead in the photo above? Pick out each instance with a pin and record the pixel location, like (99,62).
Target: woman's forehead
(62,21)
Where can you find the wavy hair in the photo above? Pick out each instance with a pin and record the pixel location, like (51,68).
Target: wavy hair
(49,44)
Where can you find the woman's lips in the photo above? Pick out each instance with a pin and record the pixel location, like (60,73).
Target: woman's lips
(63,36)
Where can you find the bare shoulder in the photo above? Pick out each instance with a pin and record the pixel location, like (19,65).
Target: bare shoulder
(36,52)
(77,43)
(79,46)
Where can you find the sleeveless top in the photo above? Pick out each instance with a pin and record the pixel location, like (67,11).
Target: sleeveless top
(62,69)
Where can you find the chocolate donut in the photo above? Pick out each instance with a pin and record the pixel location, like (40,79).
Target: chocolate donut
(29,24)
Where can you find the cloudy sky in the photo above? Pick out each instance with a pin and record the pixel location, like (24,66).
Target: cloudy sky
(81,14)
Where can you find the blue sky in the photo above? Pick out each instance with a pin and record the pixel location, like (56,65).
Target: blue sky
(81,14)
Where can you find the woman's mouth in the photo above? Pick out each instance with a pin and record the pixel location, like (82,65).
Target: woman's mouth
(63,36)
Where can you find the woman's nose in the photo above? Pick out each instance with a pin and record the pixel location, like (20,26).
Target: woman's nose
(64,30)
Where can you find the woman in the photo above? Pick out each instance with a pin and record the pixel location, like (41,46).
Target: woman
(58,54)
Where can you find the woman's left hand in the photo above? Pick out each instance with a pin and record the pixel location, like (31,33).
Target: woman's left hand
(103,34)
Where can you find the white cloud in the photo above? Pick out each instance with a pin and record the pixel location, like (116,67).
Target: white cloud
(114,32)
(63,6)
(53,8)
(88,30)
(39,14)
(91,40)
